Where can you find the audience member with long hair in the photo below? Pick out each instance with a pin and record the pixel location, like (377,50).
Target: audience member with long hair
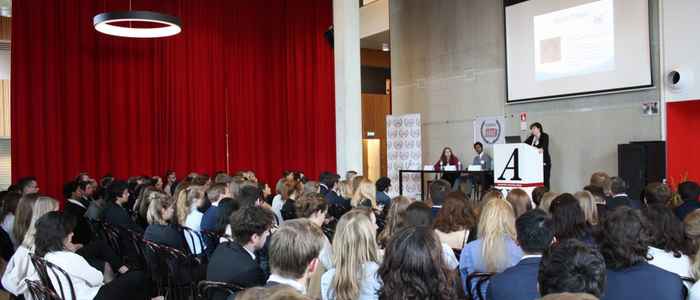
(161,229)
(355,259)
(588,204)
(669,248)
(569,220)
(396,208)
(420,214)
(10,201)
(23,217)
(624,242)
(292,190)
(52,242)
(496,248)
(454,221)
(365,194)
(546,201)
(413,267)
(520,201)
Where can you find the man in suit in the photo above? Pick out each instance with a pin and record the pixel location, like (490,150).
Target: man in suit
(618,187)
(114,212)
(294,252)
(215,193)
(328,182)
(235,261)
(573,267)
(520,281)
(76,206)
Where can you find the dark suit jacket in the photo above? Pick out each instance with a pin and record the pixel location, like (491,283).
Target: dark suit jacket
(641,282)
(231,263)
(518,282)
(383,198)
(615,202)
(167,235)
(543,144)
(686,208)
(82,233)
(333,198)
(117,215)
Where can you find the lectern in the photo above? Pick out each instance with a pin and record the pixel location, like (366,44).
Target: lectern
(517,166)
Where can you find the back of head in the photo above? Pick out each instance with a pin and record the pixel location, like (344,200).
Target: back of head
(568,219)
(383,184)
(116,190)
(618,186)
(365,194)
(354,245)
(247,221)
(537,194)
(310,204)
(535,232)
(657,193)
(158,202)
(600,179)
(438,191)
(689,190)
(328,179)
(295,245)
(42,206)
(51,230)
(496,226)
(597,191)
(572,267)
(624,238)
(587,202)
(216,192)
(250,194)
(69,188)
(417,214)
(666,230)
(455,214)
(547,199)
(520,201)
(23,216)
(413,267)
(312,187)
(692,227)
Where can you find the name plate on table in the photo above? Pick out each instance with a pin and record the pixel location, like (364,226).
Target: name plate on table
(474,168)
(428,168)
(450,168)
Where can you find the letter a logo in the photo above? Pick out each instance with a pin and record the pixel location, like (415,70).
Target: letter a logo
(513,158)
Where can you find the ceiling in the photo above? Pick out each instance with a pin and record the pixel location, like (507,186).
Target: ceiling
(375,41)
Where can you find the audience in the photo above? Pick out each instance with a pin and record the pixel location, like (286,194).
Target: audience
(438,192)
(329,189)
(573,267)
(10,201)
(588,204)
(235,261)
(294,249)
(619,197)
(383,184)
(669,248)
(454,221)
(397,207)
(601,180)
(28,185)
(292,190)
(76,208)
(114,212)
(23,217)
(519,282)
(190,205)
(365,194)
(495,250)
(420,214)
(547,199)
(355,259)
(569,220)
(520,201)
(537,194)
(690,193)
(215,193)
(414,269)
(624,242)
(160,229)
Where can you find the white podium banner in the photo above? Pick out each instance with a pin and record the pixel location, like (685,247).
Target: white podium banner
(517,166)
(404,152)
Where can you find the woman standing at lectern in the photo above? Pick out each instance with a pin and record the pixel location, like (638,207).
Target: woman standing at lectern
(448,159)
(539,139)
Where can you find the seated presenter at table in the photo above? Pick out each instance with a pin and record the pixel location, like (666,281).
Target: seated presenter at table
(448,159)
(481,159)
(540,140)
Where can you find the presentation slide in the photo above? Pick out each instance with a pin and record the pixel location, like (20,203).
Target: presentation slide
(558,49)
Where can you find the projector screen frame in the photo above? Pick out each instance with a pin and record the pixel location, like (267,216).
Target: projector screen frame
(650,86)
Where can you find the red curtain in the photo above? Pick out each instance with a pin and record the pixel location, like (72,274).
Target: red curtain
(682,143)
(250,78)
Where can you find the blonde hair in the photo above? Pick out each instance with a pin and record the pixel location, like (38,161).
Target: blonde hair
(588,205)
(520,201)
(294,246)
(159,201)
(497,222)
(546,201)
(42,206)
(354,244)
(23,215)
(144,199)
(184,201)
(692,231)
(345,188)
(355,183)
(398,205)
(365,190)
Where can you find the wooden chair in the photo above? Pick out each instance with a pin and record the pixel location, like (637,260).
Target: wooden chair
(43,267)
(207,289)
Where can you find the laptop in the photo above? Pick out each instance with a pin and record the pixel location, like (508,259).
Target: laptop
(513,139)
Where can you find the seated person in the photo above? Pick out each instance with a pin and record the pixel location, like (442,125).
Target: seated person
(294,251)
(519,282)
(618,188)
(235,261)
(448,159)
(438,192)
(160,230)
(383,184)
(624,243)
(690,193)
(572,267)
(481,159)
(114,212)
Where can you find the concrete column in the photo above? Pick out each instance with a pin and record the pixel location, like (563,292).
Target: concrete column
(348,98)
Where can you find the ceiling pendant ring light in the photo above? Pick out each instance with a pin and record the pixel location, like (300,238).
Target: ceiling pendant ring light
(167,25)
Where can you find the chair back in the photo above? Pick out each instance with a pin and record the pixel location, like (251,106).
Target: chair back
(209,289)
(193,239)
(474,284)
(45,268)
(39,291)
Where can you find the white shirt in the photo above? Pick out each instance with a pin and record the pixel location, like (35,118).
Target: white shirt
(531,256)
(666,260)
(76,202)
(194,222)
(87,280)
(694,292)
(251,253)
(17,270)
(7,224)
(449,256)
(290,282)
(277,204)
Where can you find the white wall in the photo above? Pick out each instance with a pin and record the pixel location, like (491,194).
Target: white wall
(681,43)
(374,18)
